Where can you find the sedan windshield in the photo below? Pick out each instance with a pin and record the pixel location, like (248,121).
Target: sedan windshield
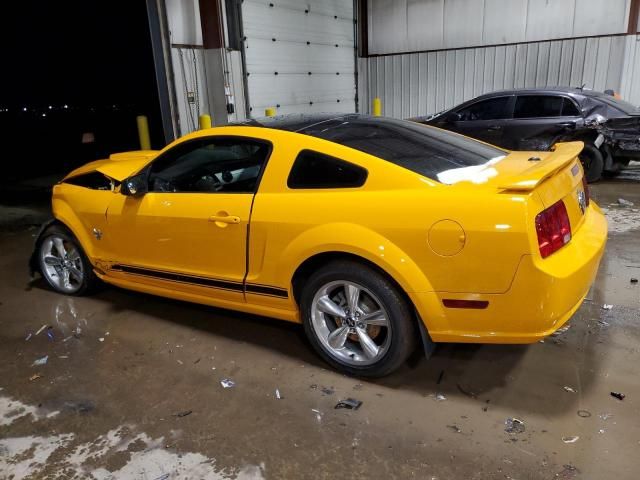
(425,150)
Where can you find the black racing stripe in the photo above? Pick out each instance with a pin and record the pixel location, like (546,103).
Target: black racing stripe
(207,282)
(267,290)
(179,277)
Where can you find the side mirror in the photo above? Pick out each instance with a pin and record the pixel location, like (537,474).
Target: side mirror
(135,186)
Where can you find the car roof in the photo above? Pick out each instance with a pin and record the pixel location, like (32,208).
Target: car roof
(297,122)
(543,90)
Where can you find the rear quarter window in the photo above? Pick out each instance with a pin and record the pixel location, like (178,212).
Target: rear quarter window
(425,150)
(316,170)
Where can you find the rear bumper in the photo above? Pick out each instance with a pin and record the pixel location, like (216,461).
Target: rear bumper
(545,293)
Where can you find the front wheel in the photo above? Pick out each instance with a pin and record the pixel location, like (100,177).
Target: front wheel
(592,163)
(63,263)
(357,320)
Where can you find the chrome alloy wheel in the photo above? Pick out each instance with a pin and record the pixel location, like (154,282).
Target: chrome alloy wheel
(350,323)
(61,264)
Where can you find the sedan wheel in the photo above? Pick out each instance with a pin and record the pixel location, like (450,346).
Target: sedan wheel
(357,319)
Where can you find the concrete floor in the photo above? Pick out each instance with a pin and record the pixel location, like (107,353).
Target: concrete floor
(108,403)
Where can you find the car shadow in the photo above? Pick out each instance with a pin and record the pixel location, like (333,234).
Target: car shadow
(521,378)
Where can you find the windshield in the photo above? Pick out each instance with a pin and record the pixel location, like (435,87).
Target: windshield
(425,150)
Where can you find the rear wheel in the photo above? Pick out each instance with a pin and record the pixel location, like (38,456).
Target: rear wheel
(63,263)
(357,320)
(592,162)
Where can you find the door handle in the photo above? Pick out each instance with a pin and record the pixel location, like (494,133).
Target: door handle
(567,125)
(224,219)
(494,127)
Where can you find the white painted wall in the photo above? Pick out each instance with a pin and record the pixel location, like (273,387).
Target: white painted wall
(418,25)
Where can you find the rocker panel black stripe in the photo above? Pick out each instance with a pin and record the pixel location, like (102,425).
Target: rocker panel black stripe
(203,281)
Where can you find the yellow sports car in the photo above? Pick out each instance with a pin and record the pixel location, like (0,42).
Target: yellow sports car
(376,234)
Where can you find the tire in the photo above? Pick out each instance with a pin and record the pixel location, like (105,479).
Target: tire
(60,255)
(592,162)
(361,345)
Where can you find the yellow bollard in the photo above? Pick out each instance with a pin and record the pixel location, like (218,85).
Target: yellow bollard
(143,132)
(270,112)
(204,121)
(377,107)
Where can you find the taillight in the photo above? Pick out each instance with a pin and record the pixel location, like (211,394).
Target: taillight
(553,228)
(585,187)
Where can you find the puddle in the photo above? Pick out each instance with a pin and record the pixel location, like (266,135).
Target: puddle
(103,458)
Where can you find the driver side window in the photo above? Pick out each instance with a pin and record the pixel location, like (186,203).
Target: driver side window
(210,165)
(492,109)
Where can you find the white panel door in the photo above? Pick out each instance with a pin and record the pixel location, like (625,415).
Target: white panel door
(300,56)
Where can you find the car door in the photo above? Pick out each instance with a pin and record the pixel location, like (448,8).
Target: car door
(189,231)
(538,120)
(483,120)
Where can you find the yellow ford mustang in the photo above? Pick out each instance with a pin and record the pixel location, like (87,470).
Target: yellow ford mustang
(376,234)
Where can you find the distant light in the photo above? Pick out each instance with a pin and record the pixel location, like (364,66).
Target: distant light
(24,109)
(65,106)
(50,107)
(44,114)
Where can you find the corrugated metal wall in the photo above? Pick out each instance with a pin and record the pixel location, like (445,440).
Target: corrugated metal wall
(630,84)
(397,26)
(424,83)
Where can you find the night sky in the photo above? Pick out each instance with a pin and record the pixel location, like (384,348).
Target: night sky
(86,53)
(93,56)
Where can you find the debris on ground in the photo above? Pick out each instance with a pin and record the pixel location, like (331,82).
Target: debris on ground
(440,377)
(43,361)
(514,425)
(41,329)
(278,396)
(605,416)
(454,428)
(568,472)
(440,397)
(197,361)
(227,383)
(569,389)
(50,333)
(183,414)
(28,337)
(561,330)
(618,395)
(101,339)
(313,387)
(35,376)
(163,477)
(328,391)
(350,403)
(180,362)
(634,280)
(77,332)
(584,413)
(625,203)
(572,439)
(607,306)
(357,386)
(602,323)
(318,414)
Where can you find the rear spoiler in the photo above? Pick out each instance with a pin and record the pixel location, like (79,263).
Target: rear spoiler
(563,154)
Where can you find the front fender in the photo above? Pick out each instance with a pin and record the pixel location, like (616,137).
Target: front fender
(355,240)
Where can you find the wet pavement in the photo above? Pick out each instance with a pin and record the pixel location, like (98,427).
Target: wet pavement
(131,389)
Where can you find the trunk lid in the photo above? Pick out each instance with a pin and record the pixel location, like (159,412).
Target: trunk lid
(557,176)
(553,176)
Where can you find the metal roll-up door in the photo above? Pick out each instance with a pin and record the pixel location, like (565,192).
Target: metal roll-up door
(300,56)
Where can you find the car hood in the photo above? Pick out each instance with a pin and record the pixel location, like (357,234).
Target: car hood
(118,166)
